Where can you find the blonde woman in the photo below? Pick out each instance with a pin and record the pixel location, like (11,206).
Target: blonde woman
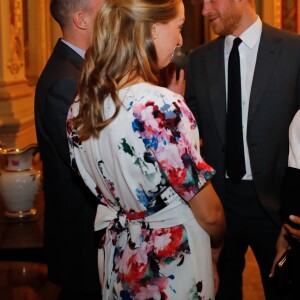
(136,145)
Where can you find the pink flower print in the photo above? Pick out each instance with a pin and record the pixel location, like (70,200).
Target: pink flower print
(166,241)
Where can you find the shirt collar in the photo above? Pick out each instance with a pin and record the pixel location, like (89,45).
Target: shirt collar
(250,36)
(76,49)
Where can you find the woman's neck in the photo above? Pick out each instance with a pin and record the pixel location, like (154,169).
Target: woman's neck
(130,79)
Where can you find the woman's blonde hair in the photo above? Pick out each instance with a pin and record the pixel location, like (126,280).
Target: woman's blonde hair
(121,46)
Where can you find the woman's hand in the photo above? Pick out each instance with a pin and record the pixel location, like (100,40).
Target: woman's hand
(281,246)
(295,233)
(177,85)
(167,78)
(215,253)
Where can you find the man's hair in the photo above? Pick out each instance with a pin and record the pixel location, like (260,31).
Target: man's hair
(63,10)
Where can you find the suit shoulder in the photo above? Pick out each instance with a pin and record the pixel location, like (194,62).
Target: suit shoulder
(218,42)
(278,33)
(200,53)
(58,68)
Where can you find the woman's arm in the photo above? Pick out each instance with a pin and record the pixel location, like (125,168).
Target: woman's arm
(294,231)
(208,211)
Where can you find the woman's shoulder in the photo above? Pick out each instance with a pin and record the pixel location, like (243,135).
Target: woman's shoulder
(148,92)
(159,102)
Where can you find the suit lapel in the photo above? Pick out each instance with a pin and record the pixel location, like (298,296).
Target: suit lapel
(266,60)
(217,90)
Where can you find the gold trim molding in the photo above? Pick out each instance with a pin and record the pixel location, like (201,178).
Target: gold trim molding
(277,13)
(15,62)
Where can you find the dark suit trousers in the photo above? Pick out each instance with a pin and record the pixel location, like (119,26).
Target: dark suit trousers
(247,225)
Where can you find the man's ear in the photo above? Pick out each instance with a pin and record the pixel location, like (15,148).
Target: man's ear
(79,20)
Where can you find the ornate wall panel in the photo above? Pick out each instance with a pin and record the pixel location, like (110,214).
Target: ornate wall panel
(16,97)
(27,37)
(289,17)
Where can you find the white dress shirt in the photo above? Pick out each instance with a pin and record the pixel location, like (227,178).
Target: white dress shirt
(76,49)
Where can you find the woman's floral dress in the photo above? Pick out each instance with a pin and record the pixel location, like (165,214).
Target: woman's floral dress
(144,168)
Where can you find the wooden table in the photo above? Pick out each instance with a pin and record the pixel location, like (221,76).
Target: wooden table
(22,238)
(23,272)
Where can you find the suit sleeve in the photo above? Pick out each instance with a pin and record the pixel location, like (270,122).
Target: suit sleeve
(190,93)
(58,101)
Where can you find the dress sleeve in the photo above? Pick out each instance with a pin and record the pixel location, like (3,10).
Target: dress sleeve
(169,131)
(294,142)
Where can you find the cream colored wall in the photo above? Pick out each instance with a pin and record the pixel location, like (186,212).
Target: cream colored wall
(272,12)
(25,46)
(16,106)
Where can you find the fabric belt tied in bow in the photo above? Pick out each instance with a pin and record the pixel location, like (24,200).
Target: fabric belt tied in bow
(123,228)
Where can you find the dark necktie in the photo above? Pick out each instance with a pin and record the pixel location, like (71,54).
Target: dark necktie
(235,160)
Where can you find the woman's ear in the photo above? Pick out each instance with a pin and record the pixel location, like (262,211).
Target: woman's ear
(154,31)
(79,20)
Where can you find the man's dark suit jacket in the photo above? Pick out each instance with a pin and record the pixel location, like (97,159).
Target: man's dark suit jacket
(274,100)
(70,208)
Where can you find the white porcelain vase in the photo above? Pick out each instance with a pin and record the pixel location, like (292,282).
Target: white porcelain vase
(19,181)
